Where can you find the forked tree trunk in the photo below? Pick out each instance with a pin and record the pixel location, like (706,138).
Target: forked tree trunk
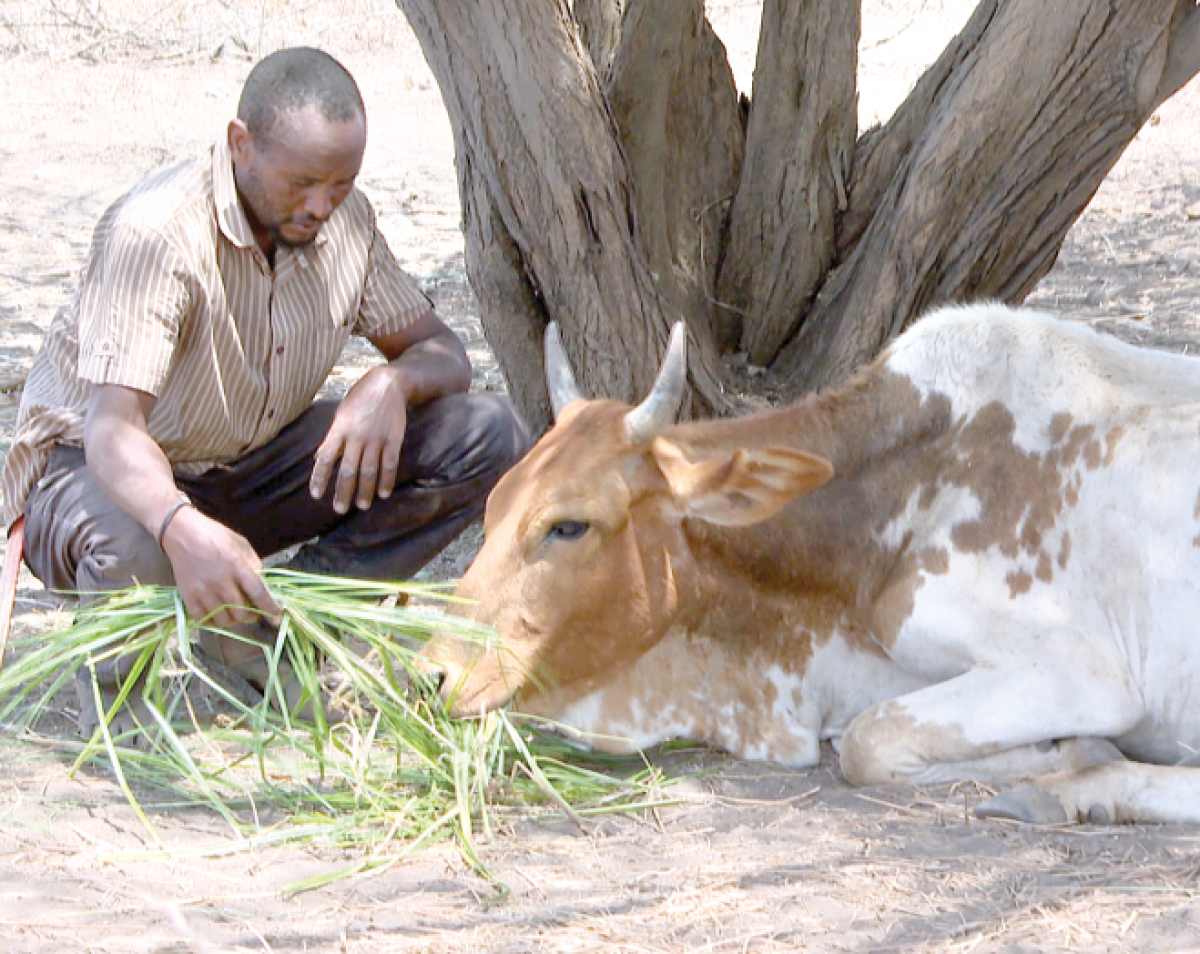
(604,185)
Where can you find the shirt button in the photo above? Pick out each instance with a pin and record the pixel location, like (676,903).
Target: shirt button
(279,350)
(271,413)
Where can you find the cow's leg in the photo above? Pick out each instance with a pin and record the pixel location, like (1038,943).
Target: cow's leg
(990,726)
(1123,792)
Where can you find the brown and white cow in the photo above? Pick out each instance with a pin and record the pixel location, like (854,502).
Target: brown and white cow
(979,560)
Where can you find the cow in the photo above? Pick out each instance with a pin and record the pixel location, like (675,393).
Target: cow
(978,559)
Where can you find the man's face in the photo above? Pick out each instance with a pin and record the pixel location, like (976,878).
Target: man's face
(291,181)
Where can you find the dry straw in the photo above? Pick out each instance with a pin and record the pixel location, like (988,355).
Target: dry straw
(395,775)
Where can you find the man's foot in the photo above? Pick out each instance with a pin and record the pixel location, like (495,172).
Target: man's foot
(248,664)
(131,722)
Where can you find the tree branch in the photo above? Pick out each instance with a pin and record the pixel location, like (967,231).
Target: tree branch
(1183,53)
(674,100)
(1025,130)
(600,26)
(880,151)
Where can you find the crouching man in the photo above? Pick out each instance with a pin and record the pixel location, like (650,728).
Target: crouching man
(168,431)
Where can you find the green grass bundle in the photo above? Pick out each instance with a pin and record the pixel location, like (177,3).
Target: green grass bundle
(396,773)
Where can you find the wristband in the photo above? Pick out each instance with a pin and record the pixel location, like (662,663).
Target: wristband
(166,521)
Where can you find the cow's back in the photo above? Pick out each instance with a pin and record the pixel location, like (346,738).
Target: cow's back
(1035,362)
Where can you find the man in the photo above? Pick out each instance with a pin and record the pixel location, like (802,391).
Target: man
(167,431)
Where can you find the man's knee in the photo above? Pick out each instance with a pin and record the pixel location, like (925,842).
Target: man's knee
(506,438)
(76,539)
(470,437)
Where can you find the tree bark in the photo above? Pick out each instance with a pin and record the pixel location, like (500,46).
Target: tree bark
(1030,111)
(533,132)
(600,28)
(675,103)
(512,316)
(803,121)
(880,150)
(1183,52)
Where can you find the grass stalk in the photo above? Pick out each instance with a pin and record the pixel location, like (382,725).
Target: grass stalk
(395,775)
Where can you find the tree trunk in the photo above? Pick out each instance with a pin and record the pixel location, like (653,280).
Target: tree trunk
(512,315)
(533,131)
(675,103)
(800,139)
(600,28)
(989,164)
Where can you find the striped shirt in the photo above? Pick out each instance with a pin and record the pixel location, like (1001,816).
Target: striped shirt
(176,299)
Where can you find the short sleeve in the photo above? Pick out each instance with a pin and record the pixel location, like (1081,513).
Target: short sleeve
(132,301)
(391,300)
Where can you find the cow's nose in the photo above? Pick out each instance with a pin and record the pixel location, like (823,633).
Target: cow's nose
(430,673)
(436,677)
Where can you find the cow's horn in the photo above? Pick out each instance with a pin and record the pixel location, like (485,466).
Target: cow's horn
(560,379)
(661,407)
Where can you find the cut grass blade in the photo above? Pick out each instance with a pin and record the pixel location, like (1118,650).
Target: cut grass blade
(396,774)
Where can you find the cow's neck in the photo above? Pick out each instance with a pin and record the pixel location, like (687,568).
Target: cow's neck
(828,556)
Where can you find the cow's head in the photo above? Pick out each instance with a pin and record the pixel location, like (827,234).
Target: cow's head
(586,563)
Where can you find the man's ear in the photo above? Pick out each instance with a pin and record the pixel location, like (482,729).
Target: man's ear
(739,487)
(241,141)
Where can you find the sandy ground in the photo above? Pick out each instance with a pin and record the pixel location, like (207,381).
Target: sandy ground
(754,858)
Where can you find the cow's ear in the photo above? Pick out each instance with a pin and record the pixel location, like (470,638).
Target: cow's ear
(739,487)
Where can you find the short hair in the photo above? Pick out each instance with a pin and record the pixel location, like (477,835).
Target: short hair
(291,79)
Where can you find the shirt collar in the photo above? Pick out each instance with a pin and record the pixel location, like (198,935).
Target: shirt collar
(230,215)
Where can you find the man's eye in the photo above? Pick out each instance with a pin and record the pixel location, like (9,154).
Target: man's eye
(567,530)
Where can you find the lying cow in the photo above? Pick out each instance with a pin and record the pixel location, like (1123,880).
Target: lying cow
(979,560)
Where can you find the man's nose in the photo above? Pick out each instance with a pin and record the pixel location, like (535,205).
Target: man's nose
(318,202)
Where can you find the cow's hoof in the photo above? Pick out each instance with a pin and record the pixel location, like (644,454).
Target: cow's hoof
(1098,815)
(1024,803)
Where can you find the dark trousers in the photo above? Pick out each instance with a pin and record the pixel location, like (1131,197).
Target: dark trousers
(455,449)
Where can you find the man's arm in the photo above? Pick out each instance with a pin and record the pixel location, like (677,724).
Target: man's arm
(216,570)
(430,357)
(425,361)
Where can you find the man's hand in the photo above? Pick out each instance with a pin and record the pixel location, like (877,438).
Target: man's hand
(364,440)
(425,361)
(217,572)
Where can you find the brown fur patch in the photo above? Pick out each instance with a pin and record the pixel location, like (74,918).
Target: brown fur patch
(1021,494)
(1019,582)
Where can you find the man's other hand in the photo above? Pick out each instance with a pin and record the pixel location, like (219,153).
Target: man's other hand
(217,572)
(364,441)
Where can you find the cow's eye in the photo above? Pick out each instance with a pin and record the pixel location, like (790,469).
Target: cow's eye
(567,530)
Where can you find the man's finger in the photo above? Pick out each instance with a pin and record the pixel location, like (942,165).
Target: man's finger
(323,464)
(368,478)
(347,478)
(259,597)
(389,467)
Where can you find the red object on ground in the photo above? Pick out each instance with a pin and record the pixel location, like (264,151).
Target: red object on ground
(8,579)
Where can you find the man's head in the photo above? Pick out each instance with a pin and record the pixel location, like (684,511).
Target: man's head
(297,144)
